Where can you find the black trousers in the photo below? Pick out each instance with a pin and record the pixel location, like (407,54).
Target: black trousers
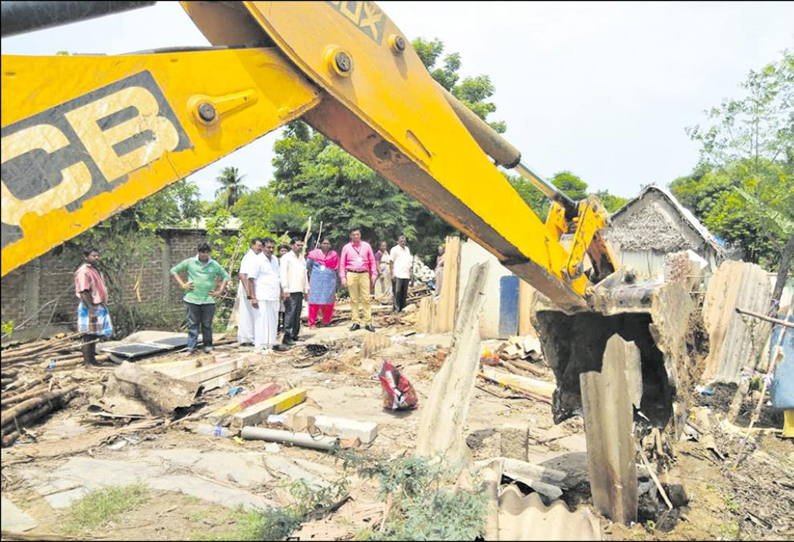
(199,314)
(400,293)
(293,306)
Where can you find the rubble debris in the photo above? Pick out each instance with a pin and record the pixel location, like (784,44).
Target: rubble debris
(14,519)
(16,418)
(608,418)
(733,341)
(261,393)
(374,342)
(161,394)
(288,437)
(514,441)
(257,413)
(442,420)
(537,388)
(341,427)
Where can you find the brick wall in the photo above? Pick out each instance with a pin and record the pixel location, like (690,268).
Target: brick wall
(51,277)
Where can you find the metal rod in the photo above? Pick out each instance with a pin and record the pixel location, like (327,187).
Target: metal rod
(19,17)
(766,318)
(546,187)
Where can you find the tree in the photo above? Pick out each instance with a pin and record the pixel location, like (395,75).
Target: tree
(611,202)
(232,187)
(263,210)
(472,91)
(341,191)
(743,186)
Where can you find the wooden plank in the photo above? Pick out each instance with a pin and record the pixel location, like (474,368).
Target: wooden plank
(444,414)
(447,303)
(608,416)
(258,413)
(213,371)
(525,296)
(426,318)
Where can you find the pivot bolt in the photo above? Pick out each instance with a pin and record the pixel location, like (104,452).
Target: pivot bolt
(397,43)
(206,111)
(343,62)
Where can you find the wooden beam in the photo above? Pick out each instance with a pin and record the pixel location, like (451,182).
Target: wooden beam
(444,415)
(447,303)
(608,416)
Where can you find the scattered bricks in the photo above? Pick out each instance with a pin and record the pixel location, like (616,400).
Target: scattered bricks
(258,413)
(341,427)
(237,405)
(514,441)
(441,355)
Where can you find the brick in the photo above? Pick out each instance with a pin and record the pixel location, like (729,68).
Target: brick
(239,404)
(347,429)
(258,413)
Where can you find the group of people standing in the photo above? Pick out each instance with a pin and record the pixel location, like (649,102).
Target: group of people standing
(271,291)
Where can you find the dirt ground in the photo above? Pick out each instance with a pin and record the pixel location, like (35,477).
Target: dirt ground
(751,501)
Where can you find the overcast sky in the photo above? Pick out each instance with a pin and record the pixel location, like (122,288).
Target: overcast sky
(602,89)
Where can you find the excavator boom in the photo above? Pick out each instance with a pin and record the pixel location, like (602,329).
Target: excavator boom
(86,136)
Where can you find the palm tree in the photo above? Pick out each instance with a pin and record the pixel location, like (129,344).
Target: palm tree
(232,187)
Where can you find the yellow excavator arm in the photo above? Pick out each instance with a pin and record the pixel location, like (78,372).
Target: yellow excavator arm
(86,136)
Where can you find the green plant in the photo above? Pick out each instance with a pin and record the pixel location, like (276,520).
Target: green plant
(422,504)
(100,506)
(8,328)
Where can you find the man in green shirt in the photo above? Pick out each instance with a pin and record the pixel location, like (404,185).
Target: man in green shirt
(203,273)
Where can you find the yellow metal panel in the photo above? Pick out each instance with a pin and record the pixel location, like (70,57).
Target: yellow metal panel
(85,136)
(395,96)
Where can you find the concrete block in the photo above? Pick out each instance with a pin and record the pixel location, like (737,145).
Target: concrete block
(344,428)
(259,412)
(239,404)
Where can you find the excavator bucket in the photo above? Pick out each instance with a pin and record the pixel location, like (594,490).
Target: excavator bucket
(652,314)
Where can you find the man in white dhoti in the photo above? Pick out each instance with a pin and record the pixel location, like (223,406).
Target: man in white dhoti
(264,281)
(245,312)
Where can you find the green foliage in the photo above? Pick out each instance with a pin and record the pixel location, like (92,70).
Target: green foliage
(232,187)
(472,91)
(570,184)
(8,328)
(743,187)
(610,201)
(340,191)
(262,210)
(423,505)
(100,506)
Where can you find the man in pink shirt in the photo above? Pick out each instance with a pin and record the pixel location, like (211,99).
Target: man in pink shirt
(358,271)
(93,318)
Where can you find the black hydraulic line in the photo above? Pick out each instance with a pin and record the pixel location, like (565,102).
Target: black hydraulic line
(19,17)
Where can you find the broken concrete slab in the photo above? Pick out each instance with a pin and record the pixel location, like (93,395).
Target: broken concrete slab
(608,417)
(240,468)
(735,341)
(79,475)
(293,471)
(14,519)
(341,427)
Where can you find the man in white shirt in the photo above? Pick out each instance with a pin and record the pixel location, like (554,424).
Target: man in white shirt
(264,281)
(402,270)
(294,284)
(246,315)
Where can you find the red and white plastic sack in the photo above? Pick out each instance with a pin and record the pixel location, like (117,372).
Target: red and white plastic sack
(398,393)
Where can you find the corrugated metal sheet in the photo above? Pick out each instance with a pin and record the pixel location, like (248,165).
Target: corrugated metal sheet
(734,339)
(527,518)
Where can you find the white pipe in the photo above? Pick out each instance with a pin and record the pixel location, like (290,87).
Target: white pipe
(276,435)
